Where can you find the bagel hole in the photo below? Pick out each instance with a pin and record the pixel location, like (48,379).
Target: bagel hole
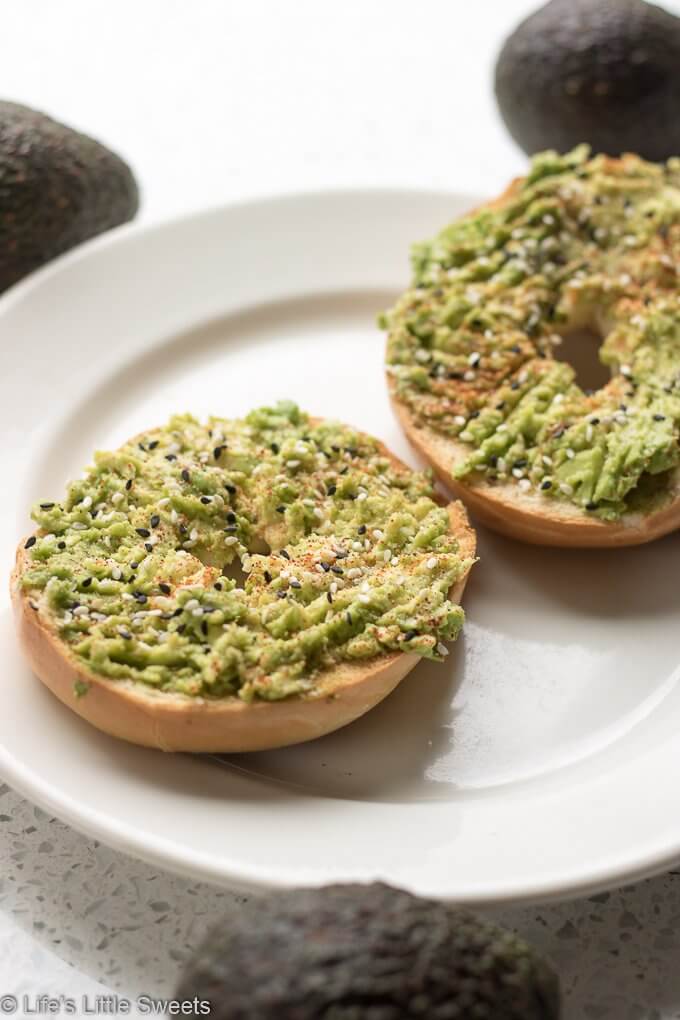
(580,348)
(235,572)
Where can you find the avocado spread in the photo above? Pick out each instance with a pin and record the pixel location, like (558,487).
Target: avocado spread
(579,243)
(345,557)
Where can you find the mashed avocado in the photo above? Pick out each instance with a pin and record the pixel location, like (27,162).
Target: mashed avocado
(579,242)
(345,557)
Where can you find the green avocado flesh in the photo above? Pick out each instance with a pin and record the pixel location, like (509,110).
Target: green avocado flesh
(579,243)
(345,558)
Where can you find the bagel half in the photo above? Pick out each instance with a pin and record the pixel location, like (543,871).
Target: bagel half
(630,284)
(171,721)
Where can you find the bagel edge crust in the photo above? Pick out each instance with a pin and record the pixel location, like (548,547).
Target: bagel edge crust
(169,721)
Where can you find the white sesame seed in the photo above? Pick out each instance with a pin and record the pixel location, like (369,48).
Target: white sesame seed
(570,453)
(442,649)
(394,561)
(116,573)
(377,533)
(474,359)
(357,545)
(127,597)
(518,472)
(231,540)
(387,555)
(524,484)
(193,534)
(502,427)
(81,611)
(422,355)
(468,376)
(117,497)
(364,598)
(625,370)
(362,496)
(547,460)
(566,488)
(501,466)
(431,563)
(164,501)
(191,604)
(589,433)
(292,463)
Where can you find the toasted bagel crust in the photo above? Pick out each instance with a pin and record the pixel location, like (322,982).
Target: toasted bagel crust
(176,722)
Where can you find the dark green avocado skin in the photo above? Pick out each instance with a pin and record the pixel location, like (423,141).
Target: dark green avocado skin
(57,188)
(365,952)
(606,72)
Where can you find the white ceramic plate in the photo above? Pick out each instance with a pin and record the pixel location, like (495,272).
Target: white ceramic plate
(541,760)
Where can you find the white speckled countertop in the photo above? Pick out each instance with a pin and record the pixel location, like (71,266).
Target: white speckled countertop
(210,102)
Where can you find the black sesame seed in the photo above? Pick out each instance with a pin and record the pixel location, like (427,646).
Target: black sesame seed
(30,541)
(267,576)
(280,594)
(344,470)
(178,611)
(361,530)
(331,490)
(284,553)
(132,577)
(46,506)
(514,386)
(659,417)
(474,414)
(182,627)
(61,545)
(546,485)
(274,447)
(522,462)
(205,500)
(591,505)
(594,421)
(155,521)
(325,566)
(516,349)
(128,484)
(337,570)
(218,451)
(231,529)
(134,565)
(230,488)
(231,518)
(171,456)
(125,634)
(348,617)
(281,509)
(143,532)
(142,446)
(204,627)
(335,448)
(87,582)
(153,444)
(186,477)
(410,635)
(295,584)
(165,588)
(183,530)
(218,585)
(139,596)
(329,597)
(499,407)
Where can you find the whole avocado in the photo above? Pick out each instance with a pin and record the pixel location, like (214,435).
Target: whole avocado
(606,72)
(366,952)
(57,188)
